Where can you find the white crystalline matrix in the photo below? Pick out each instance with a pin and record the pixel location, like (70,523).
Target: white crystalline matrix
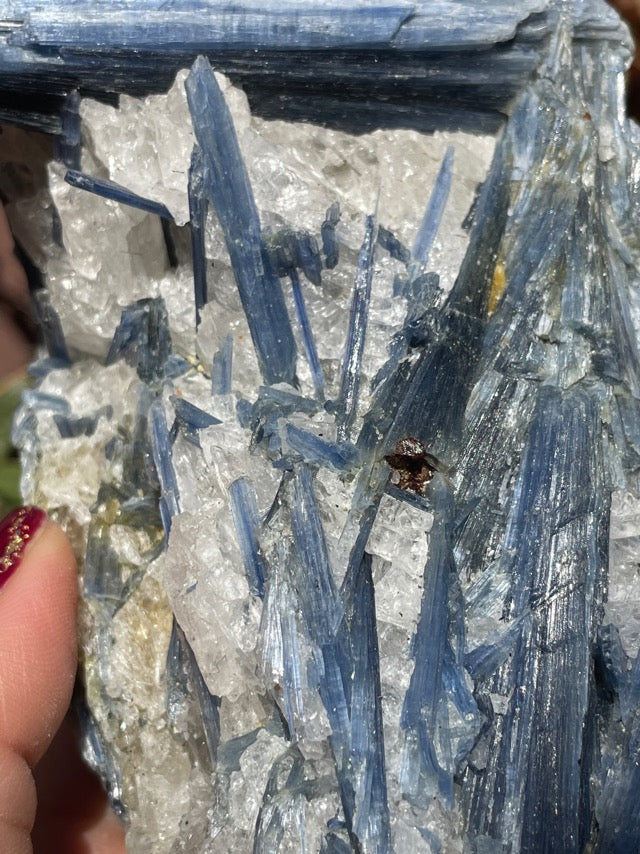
(161,769)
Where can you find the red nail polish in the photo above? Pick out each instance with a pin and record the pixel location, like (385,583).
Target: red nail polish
(16,530)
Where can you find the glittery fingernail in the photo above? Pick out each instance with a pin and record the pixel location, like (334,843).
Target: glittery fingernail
(16,531)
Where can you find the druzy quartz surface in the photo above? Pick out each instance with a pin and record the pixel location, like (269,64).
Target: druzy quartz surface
(345,429)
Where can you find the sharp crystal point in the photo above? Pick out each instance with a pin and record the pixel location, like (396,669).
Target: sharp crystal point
(161,446)
(244,507)
(198,215)
(433,214)
(352,361)
(307,334)
(226,185)
(111,190)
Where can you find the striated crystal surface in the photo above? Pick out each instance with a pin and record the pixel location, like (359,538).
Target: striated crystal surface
(345,429)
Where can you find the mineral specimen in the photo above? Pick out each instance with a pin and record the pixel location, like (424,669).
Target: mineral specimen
(345,519)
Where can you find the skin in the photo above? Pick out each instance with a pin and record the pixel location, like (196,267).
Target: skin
(42,779)
(49,800)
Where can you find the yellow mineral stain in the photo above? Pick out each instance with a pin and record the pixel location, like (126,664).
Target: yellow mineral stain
(111,511)
(498,286)
(196,364)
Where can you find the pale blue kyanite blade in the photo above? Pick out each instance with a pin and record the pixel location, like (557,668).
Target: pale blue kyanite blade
(51,328)
(321,605)
(244,509)
(68,149)
(142,339)
(349,678)
(222,366)
(289,252)
(307,334)
(226,186)
(99,756)
(329,637)
(351,366)
(538,756)
(161,449)
(330,247)
(198,205)
(367,783)
(185,684)
(433,213)
(335,455)
(616,807)
(116,192)
(192,416)
(432,751)
(442,24)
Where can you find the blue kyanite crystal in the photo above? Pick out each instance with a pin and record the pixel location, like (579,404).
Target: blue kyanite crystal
(226,186)
(473,57)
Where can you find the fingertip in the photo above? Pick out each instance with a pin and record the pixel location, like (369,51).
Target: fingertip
(37,633)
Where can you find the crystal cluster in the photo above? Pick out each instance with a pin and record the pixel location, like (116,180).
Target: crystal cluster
(340,426)
(361,66)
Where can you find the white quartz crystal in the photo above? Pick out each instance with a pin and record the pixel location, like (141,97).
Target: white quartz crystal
(623,605)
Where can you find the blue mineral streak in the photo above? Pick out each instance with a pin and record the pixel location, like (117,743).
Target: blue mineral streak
(184,682)
(616,809)
(433,214)
(189,420)
(51,328)
(370,822)
(142,339)
(221,367)
(320,603)
(192,415)
(198,179)
(110,190)
(85,425)
(341,625)
(334,455)
(307,334)
(387,240)
(244,509)
(283,637)
(98,755)
(226,185)
(69,143)
(330,246)
(352,360)
(161,449)
(427,771)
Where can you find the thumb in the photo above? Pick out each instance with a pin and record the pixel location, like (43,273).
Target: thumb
(37,658)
